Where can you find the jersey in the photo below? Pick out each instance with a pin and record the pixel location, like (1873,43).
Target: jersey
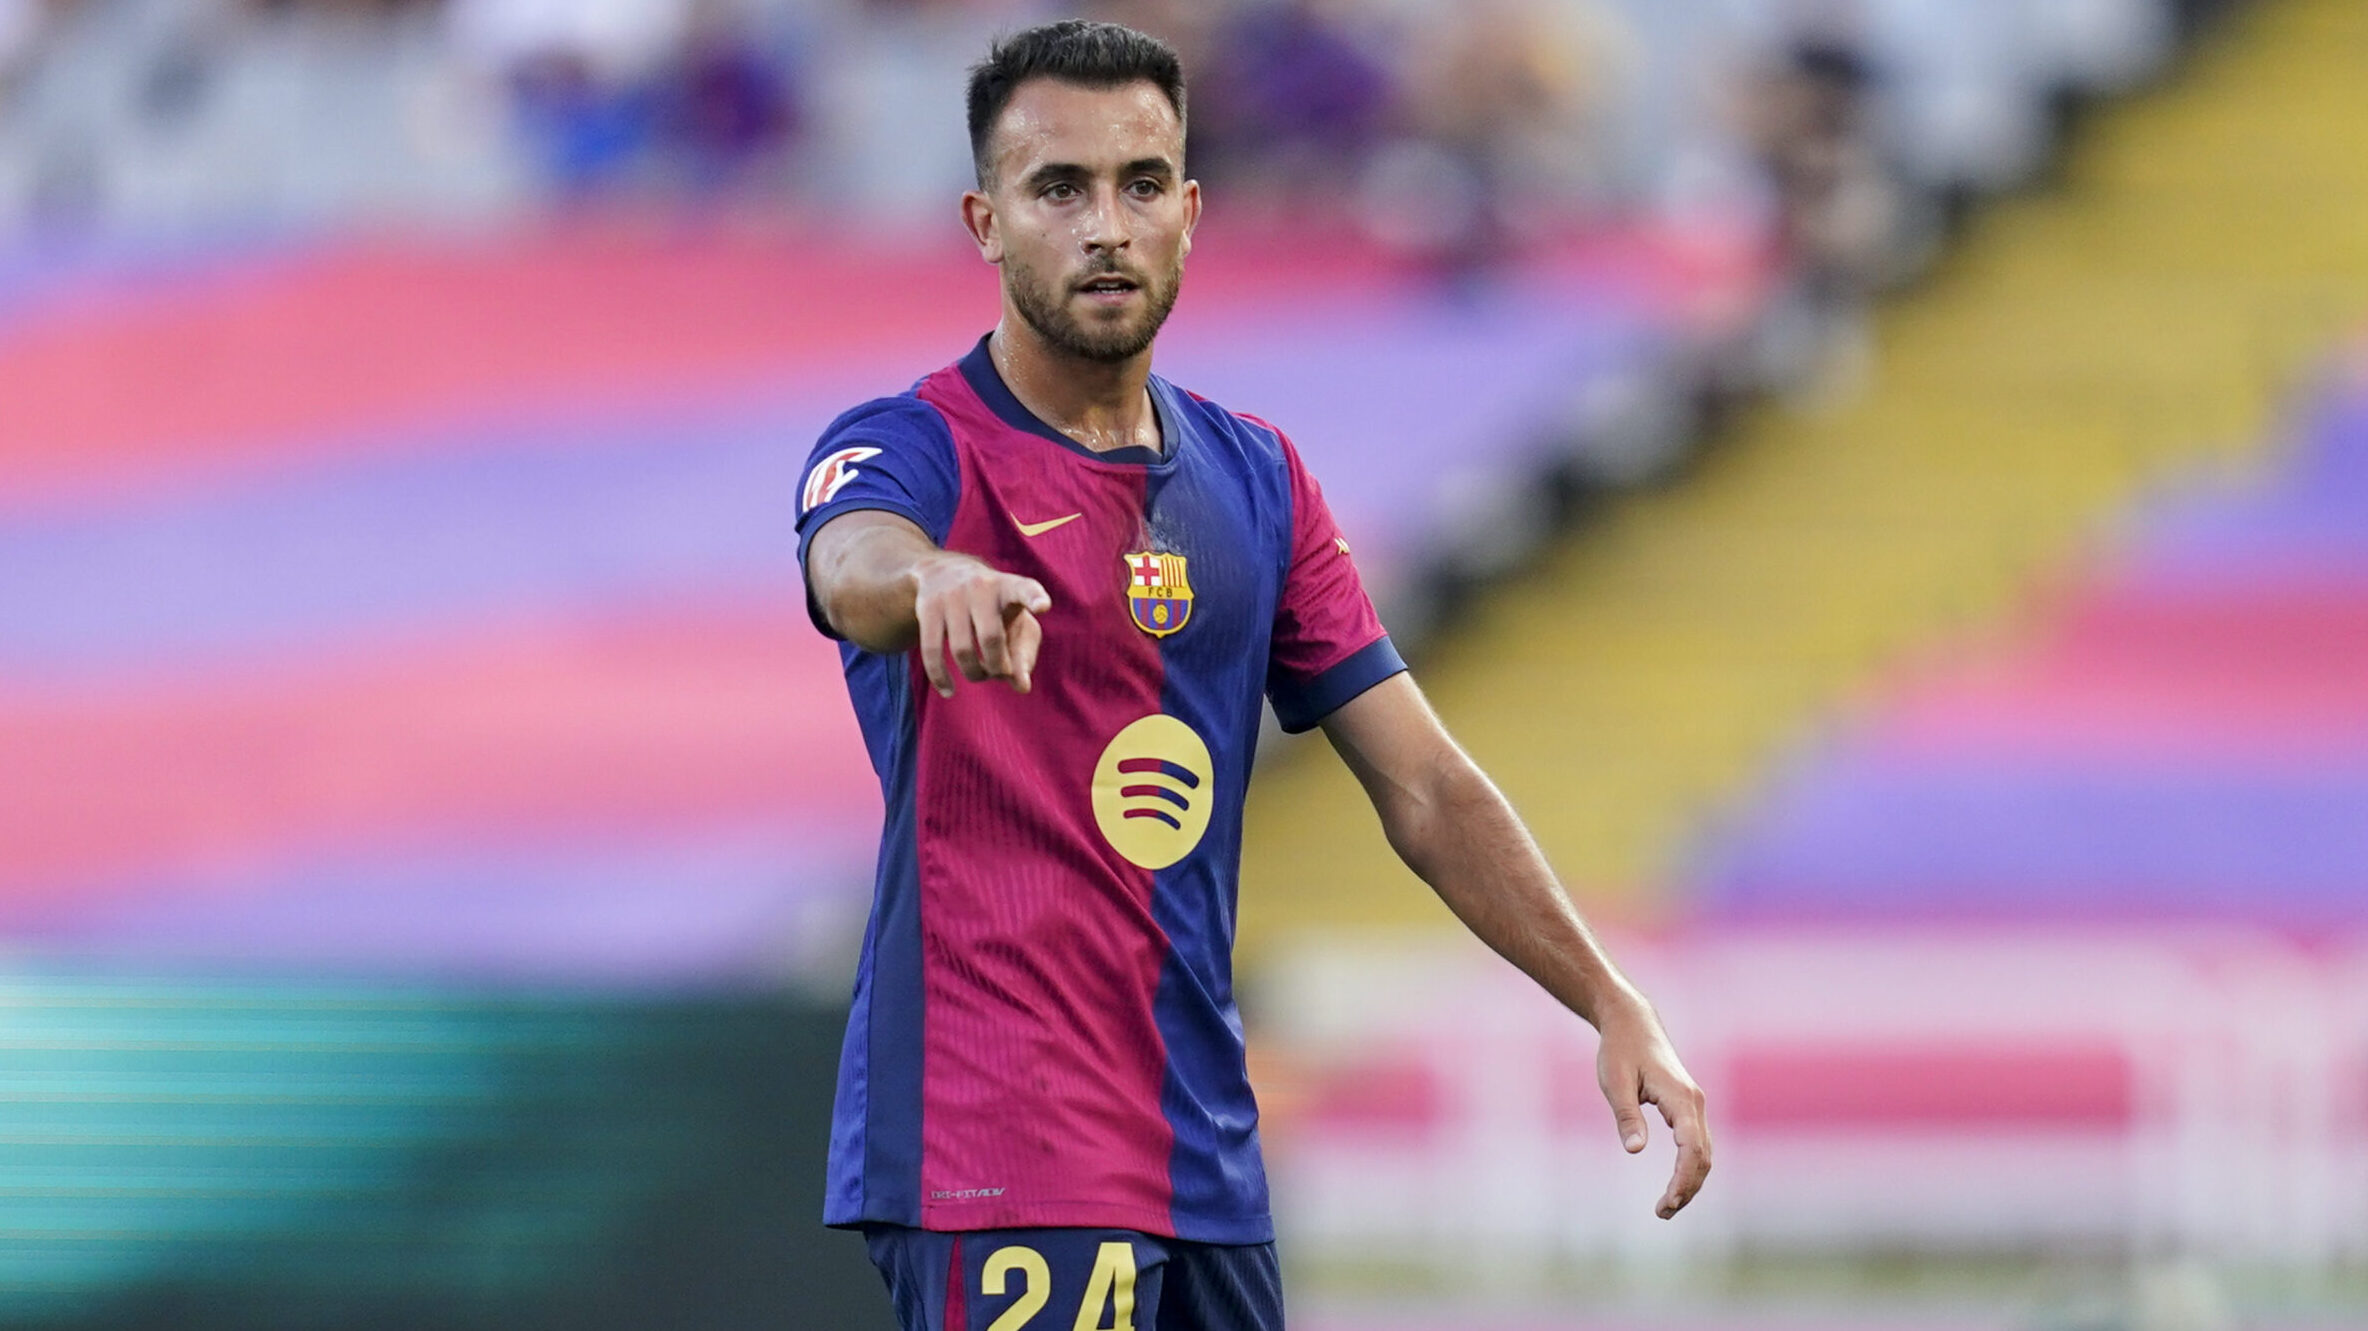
(1044,1030)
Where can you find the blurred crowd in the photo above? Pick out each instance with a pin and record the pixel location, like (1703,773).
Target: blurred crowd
(1831,129)
(152,108)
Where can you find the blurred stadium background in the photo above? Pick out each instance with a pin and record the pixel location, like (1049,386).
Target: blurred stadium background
(1883,483)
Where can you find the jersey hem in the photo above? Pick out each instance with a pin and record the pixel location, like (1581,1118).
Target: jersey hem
(1076,1215)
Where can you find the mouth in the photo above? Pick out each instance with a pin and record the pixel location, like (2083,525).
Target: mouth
(1108,289)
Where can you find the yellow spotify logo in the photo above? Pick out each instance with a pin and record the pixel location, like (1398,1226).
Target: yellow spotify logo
(1152,791)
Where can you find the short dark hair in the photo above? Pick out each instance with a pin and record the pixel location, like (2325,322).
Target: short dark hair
(1098,55)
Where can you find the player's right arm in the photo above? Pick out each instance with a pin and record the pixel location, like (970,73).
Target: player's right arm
(878,501)
(882,584)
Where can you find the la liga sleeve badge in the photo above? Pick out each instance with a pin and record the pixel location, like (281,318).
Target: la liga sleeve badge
(1158,594)
(831,475)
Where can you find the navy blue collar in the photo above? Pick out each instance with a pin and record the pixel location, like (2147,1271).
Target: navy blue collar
(979,368)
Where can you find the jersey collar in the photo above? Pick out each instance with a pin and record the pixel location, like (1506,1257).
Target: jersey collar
(979,368)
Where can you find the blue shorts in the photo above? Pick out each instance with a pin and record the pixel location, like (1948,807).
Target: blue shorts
(1061,1279)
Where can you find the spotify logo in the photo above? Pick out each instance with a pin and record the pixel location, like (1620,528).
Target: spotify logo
(1152,791)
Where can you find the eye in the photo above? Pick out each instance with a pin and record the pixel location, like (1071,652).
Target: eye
(1144,188)
(1060,189)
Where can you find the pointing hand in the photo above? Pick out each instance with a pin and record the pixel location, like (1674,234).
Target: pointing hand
(983,618)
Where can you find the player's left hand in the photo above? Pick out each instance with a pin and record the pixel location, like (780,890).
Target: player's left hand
(1637,1066)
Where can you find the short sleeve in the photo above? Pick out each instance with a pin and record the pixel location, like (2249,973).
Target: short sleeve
(1328,644)
(893,454)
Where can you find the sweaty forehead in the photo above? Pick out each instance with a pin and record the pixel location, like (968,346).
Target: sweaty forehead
(1049,120)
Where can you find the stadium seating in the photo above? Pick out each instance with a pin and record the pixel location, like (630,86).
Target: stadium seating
(2054,946)
(2142,320)
(2184,735)
(2000,959)
(397,606)
(433,604)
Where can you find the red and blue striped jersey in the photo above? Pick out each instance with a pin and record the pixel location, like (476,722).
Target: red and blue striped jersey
(1044,1030)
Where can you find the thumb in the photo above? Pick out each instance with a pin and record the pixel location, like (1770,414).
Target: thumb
(1627,1114)
(1027,592)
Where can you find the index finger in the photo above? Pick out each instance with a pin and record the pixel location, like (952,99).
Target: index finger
(1690,1127)
(1023,636)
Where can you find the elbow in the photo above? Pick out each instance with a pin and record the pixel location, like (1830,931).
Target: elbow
(839,614)
(832,608)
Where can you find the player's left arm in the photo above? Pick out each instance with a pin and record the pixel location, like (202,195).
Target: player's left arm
(1452,826)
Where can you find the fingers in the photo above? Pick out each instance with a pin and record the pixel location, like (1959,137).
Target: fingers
(1026,593)
(1024,637)
(1682,1108)
(985,622)
(995,620)
(1619,1087)
(962,642)
(987,626)
(932,647)
(1637,1067)
(1023,600)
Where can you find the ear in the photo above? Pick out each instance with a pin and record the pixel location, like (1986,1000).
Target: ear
(1191,212)
(978,218)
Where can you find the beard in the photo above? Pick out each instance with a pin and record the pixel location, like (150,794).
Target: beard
(1046,310)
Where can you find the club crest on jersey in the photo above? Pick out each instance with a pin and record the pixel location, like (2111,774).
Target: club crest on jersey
(1157,593)
(831,475)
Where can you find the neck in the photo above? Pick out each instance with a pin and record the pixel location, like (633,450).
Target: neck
(1100,404)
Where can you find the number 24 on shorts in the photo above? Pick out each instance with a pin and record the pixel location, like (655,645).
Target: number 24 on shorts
(1111,1289)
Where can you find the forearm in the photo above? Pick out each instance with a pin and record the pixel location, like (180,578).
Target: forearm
(867,580)
(1460,834)
(887,588)
(1453,827)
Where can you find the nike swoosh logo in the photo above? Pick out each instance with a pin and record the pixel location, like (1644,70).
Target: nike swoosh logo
(1039,528)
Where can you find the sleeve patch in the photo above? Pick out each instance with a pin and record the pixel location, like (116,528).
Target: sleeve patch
(832,474)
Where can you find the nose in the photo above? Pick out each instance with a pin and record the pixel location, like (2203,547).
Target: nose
(1106,225)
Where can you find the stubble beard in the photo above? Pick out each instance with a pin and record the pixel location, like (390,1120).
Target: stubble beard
(1107,345)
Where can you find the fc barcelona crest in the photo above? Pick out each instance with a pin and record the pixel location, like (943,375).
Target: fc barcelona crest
(1157,593)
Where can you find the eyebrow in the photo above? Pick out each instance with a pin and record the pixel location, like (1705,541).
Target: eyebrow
(1157,167)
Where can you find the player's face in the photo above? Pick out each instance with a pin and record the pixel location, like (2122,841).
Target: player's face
(1089,214)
